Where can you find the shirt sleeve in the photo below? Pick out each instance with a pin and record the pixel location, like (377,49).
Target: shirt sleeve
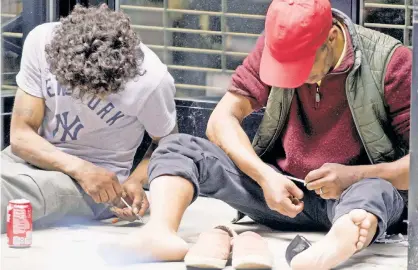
(398,81)
(158,115)
(29,77)
(246,80)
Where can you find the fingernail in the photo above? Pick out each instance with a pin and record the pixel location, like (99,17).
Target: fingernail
(124,194)
(136,211)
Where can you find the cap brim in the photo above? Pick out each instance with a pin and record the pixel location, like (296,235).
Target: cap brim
(286,74)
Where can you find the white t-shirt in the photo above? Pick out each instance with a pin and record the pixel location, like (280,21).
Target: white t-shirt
(106,132)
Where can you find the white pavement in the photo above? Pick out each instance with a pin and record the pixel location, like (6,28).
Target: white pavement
(75,247)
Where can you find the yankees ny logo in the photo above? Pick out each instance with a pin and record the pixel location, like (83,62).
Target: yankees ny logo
(69,130)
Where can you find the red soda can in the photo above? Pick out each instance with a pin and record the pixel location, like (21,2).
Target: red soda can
(19,223)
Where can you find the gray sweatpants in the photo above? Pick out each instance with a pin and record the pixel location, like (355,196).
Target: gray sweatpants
(54,196)
(213,174)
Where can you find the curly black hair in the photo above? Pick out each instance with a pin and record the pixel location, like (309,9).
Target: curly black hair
(94,51)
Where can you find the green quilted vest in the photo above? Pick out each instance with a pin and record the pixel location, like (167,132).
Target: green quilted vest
(365,94)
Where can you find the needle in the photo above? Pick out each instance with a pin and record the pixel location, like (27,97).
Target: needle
(130,208)
(296,179)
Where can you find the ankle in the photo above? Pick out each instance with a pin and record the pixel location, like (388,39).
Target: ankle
(161,225)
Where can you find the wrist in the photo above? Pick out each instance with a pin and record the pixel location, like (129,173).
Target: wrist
(263,174)
(380,170)
(75,167)
(386,171)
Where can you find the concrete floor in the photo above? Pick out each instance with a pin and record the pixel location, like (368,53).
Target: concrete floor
(75,247)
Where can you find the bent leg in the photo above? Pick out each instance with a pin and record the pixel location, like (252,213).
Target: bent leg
(212,173)
(181,168)
(363,213)
(54,196)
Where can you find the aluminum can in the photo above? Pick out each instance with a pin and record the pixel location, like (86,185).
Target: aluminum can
(19,223)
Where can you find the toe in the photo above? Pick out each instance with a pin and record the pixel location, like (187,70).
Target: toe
(364,232)
(358,216)
(362,239)
(366,224)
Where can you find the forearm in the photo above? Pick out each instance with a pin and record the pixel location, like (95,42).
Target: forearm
(396,172)
(28,145)
(227,133)
(140,172)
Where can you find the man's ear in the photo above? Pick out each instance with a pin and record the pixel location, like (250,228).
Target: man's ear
(332,35)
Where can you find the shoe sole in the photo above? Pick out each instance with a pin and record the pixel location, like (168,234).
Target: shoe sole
(204,262)
(252,262)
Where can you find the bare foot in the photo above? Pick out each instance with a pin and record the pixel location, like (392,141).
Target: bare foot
(151,243)
(349,234)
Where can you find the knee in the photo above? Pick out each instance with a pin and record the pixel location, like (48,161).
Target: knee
(377,183)
(373,185)
(182,146)
(175,156)
(173,139)
(174,143)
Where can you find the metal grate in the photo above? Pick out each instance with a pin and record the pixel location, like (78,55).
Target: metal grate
(9,10)
(393,17)
(11,61)
(202,42)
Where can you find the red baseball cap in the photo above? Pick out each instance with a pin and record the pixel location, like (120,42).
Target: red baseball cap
(294,31)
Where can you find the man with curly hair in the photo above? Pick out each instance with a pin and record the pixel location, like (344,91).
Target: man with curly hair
(88,91)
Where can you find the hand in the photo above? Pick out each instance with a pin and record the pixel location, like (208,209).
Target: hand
(332,179)
(136,197)
(281,194)
(101,184)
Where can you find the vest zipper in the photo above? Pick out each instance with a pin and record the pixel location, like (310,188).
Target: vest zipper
(317,97)
(318,93)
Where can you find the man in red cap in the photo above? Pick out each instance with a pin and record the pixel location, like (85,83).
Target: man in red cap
(337,104)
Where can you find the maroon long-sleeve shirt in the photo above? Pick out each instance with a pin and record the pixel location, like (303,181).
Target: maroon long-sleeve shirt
(326,134)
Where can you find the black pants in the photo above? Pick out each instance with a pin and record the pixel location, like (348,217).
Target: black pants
(213,174)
